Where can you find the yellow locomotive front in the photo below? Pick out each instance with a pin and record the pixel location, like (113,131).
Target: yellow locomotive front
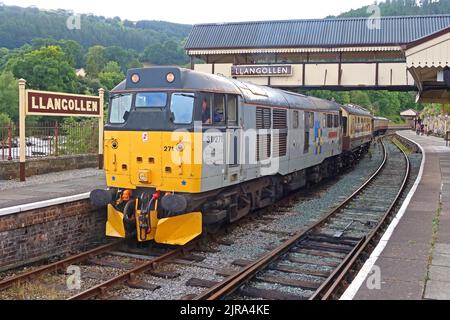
(153,158)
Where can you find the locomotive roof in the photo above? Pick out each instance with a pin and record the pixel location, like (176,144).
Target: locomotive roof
(154,78)
(357,110)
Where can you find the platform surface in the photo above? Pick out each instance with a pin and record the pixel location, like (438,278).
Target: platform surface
(415,264)
(50,186)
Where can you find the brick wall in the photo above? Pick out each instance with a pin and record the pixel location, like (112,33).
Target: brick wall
(42,233)
(10,169)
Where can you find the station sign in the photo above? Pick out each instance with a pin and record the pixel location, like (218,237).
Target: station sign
(62,104)
(261,71)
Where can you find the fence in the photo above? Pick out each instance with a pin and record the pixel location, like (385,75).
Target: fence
(49,140)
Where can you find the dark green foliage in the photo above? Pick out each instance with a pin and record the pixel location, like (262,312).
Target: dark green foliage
(9,97)
(45,69)
(404,8)
(167,53)
(19,26)
(380,103)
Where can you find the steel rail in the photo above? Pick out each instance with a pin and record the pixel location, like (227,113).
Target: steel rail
(56,266)
(329,288)
(131,275)
(235,281)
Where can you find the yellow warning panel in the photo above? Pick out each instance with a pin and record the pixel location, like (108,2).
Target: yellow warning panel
(179,230)
(114,225)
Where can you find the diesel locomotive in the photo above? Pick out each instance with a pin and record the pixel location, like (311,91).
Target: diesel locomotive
(186,152)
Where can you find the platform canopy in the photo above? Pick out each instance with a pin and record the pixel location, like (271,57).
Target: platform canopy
(428,60)
(403,53)
(410,113)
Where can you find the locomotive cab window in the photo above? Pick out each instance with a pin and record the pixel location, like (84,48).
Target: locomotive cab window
(120,108)
(182,107)
(232,110)
(206,109)
(219,110)
(151,100)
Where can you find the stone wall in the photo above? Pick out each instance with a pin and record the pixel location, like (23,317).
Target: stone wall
(10,169)
(414,148)
(436,125)
(38,234)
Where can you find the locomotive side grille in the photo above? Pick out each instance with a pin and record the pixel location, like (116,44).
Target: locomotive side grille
(264,141)
(280,138)
(279,119)
(280,144)
(263,146)
(263,120)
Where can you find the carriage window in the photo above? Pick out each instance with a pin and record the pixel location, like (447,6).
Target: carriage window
(120,108)
(311,120)
(308,117)
(232,115)
(151,100)
(329,121)
(219,109)
(336,121)
(295,119)
(182,107)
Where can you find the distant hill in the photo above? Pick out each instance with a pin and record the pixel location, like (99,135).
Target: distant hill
(403,8)
(19,26)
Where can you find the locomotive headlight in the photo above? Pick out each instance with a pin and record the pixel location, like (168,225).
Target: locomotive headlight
(135,78)
(180,147)
(143,176)
(170,77)
(114,144)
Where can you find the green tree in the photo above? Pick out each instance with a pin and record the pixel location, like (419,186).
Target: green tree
(360,98)
(4,119)
(9,96)
(111,75)
(95,60)
(135,63)
(170,52)
(72,49)
(45,69)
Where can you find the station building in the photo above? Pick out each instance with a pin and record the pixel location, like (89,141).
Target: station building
(391,53)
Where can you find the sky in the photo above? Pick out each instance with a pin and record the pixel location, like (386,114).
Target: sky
(201,11)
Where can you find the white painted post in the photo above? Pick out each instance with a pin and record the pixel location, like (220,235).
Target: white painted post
(101,93)
(22,117)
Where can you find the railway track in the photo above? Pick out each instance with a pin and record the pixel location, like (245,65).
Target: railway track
(316,262)
(59,266)
(100,256)
(317,259)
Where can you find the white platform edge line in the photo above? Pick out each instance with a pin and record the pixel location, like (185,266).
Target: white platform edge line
(357,283)
(42,204)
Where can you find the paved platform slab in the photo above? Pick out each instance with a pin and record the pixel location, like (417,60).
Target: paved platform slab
(415,264)
(50,186)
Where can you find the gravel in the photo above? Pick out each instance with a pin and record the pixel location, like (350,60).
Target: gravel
(251,242)
(249,239)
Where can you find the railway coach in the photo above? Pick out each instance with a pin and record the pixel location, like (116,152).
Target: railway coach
(186,152)
(380,126)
